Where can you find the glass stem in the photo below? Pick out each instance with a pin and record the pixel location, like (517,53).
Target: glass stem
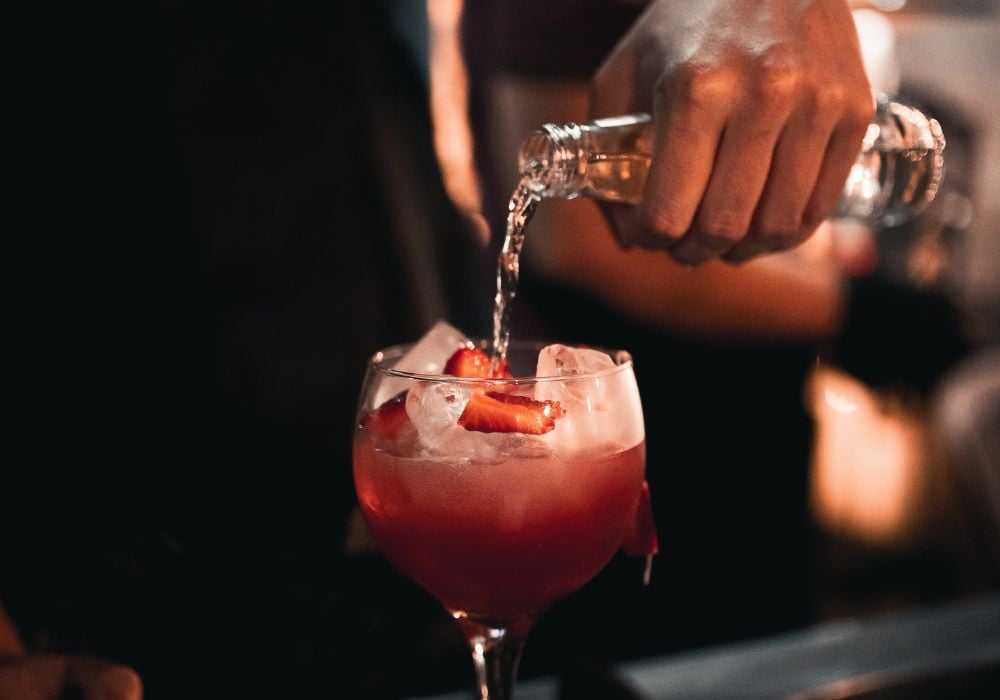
(496,652)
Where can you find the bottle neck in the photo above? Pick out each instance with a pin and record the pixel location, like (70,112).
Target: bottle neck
(552,160)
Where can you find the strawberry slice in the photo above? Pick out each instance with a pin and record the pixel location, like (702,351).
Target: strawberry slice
(387,419)
(468,362)
(496,412)
(552,409)
(641,539)
(476,364)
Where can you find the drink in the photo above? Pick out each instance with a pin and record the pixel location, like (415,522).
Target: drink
(502,541)
(499,495)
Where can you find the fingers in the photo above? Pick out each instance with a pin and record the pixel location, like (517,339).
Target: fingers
(49,676)
(691,110)
(778,173)
(779,220)
(841,152)
(723,210)
(727,208)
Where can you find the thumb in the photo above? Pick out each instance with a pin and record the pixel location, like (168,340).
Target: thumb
(49,676)
(102,680)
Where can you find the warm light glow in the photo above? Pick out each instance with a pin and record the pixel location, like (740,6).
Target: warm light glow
(450,111)
(868,462)
(883,5)
(871,135)
(861,178)
(888,5)
(839,403)
(878,49)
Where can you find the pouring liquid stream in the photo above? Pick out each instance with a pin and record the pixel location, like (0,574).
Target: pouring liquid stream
(519,212)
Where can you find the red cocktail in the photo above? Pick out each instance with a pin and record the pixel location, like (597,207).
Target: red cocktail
(497,494)
(502,540)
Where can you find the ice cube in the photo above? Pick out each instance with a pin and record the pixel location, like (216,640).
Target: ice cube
(433,407)
(562,360)
(427,356)
(601,412)
(458,444)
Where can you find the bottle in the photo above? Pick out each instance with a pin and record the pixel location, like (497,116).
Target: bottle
(894,177)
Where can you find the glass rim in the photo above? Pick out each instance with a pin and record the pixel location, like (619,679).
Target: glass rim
(621,358)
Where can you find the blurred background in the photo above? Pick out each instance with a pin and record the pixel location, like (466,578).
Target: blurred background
(220,212)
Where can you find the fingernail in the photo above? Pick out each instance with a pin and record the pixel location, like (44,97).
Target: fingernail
(120,683)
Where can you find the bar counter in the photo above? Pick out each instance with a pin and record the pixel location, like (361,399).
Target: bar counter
(952,651)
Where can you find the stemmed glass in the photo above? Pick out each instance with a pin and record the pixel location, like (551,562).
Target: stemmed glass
(498,524)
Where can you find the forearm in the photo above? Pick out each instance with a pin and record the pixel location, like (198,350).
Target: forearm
(775,298)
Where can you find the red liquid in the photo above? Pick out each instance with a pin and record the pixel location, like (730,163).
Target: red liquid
(497,541)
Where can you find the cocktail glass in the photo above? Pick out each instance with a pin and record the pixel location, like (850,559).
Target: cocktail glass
(499,525)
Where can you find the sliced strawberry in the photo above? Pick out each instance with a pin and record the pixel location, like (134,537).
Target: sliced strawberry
(495,412)
(476,364)
(552,409)
(641,539)
(468,362)
(387,419)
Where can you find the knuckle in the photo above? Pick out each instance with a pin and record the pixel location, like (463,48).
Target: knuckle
(662,222)
(722,228)
(823,100)
(779,239)
(859,113)
(776,79)
(780,230)
(695,86)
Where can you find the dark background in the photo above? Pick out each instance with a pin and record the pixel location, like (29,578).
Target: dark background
(216,214)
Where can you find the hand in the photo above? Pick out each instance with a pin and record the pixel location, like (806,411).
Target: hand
(50,676)
(760,111)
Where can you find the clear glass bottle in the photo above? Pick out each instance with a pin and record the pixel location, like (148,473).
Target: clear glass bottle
(894,177)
